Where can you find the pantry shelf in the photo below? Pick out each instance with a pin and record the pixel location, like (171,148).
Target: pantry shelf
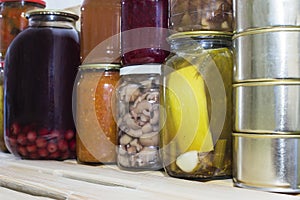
(28,179)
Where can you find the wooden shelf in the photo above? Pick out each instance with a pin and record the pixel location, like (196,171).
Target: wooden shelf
(27,179)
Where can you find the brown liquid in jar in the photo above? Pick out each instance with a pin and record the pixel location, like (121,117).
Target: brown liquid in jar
(100,20)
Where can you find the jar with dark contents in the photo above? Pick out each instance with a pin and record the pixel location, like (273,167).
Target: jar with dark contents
(2,143)
(197,102)
(138,117)
(40,69)
(95,106)
(144,31)
(100,31)
(194,15)
(13,20)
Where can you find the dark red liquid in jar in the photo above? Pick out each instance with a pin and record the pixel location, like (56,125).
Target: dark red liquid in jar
(41,67)
(146,45)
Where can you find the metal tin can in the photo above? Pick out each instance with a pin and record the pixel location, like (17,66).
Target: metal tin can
(267,162)
(95,124)
(267,107)
(138,115)
(258,13)
(271,54)
(197,90)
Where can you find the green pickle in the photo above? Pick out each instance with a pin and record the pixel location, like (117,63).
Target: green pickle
(197,101)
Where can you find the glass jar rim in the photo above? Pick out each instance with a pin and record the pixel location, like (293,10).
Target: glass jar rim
(33,1)
(200,34)
(141,69)
(101,66)
(63,13)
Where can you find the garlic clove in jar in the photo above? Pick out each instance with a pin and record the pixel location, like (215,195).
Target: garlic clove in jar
(188,162)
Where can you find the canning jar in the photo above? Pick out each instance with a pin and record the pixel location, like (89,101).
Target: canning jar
(95,105)
(100,41)
(193,15)
(144,31)
(196,95)
(40,69)
(137,117)
(2,143)
(13,20)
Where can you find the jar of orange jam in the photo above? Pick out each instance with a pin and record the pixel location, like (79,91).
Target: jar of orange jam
(95,123)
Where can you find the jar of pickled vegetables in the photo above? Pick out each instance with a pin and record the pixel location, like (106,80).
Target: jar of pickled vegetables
(95,106)
(100,31)
(40,69)
(138,104)
(193,15)
(13,20)
(144,31)
(196,97)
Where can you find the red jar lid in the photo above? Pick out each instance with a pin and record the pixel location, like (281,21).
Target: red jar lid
(34,1)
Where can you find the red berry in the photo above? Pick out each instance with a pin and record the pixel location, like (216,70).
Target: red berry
(52,147)
(15,128)
(62,145)
(72,145)
(31,148)
(31,136)
(41,142)
(54,134)
(22,151)
(12,141)
(69,135)
(43,131)
(43,152)
(21,139)
(34,156)
(55,155)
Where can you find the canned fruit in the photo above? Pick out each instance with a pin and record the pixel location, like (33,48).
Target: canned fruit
(188,161)
(40,143)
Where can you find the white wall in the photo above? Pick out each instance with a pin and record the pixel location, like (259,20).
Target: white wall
(61,4)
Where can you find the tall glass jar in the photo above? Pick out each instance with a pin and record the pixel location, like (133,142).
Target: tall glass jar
(193,15)
(13,20)
(40,69)
(144,31)
(95,105)
(137,117)
(100,31)
(196,96)
(2,143)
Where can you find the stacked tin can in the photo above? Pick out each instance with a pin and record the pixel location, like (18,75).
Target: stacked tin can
(266,95)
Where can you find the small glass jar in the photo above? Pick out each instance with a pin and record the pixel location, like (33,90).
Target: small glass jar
(13,20)
(196,97)
(40,69)
(144,31)
(95,105)
(193,15)
(2,143)
(100,41)
(137,117)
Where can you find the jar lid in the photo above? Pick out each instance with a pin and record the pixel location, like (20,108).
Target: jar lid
(101,66)
(201,34)
(63,13)
(141,69)
(33,1)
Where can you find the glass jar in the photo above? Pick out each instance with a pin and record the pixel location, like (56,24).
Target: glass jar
(144,31)
(40,69)
(193,15)
(13,20)
(2,143)
(95,105)
(196,95)
(137,117)
(100,41)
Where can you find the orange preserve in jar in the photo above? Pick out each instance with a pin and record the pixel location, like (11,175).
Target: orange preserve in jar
(95,123)
(13,20)
(100,31)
